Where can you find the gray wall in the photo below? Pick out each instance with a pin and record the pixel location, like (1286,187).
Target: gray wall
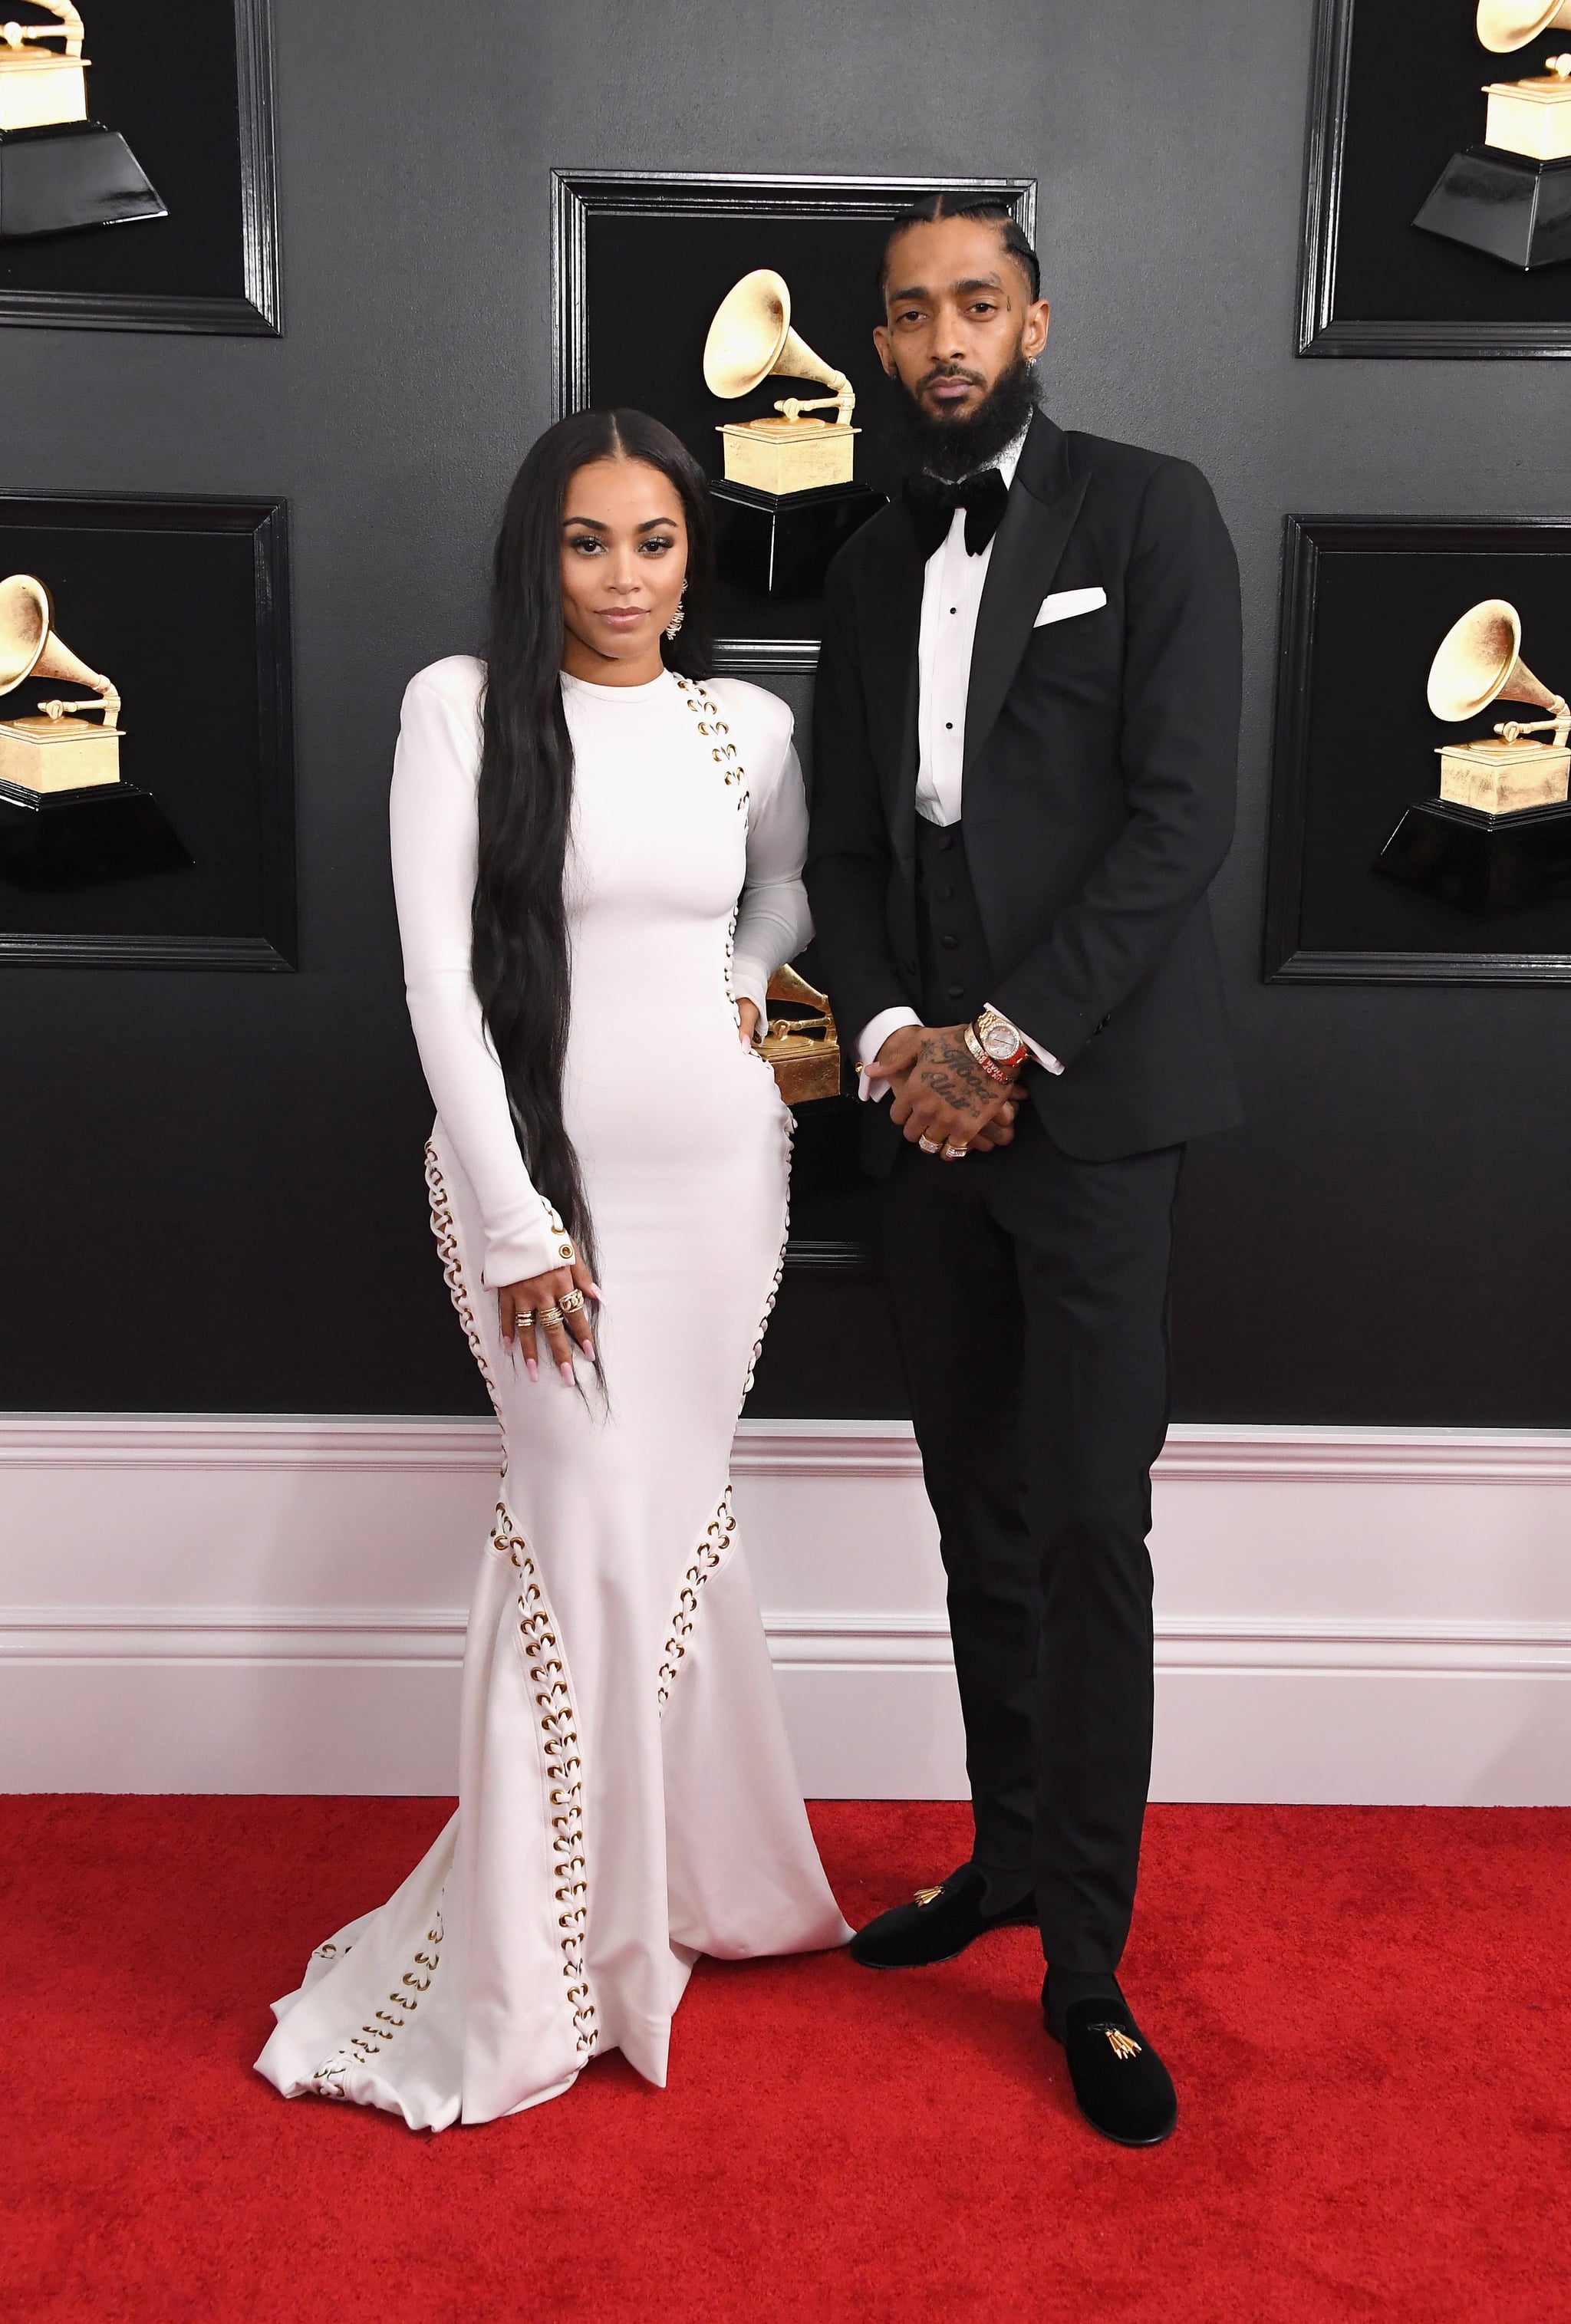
(213,1184)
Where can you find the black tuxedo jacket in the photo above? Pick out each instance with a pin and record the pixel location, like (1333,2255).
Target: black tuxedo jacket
(1100,774)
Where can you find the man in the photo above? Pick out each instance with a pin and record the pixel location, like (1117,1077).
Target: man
(1026,734)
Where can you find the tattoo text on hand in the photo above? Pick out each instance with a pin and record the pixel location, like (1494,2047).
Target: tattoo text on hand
(949,1070)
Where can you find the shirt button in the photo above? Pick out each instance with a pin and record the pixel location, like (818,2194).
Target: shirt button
(947,840)
(949,943)
(954,991)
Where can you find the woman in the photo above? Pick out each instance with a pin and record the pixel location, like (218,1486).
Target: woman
(596,851)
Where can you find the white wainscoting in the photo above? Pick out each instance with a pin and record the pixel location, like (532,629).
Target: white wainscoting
(277,1605)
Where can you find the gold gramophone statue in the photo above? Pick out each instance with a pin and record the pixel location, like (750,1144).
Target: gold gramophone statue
(803,1052)
(1500,833)
(1511,197)
(1479,662)
(789,497)
(750,340)
(66,817)
(58,169)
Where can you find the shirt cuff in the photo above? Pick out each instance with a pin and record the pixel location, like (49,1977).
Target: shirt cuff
(1043,1056)
(871,1087)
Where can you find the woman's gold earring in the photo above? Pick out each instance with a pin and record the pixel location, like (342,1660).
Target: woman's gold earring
(675,623)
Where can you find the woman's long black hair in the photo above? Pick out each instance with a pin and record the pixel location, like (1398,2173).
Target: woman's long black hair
(520,963)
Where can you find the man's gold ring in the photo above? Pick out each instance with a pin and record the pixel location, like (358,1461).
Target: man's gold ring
(956,1153)
(928,1145)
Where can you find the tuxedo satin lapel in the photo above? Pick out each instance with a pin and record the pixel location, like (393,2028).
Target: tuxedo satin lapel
(1027,552)
(893,591)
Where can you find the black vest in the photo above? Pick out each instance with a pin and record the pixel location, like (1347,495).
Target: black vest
(951,948)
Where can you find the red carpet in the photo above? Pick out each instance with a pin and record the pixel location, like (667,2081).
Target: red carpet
(1365,2011)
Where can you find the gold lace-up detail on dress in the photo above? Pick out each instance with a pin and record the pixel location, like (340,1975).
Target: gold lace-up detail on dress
(708,1559)
(789,1132)
(367,2046)
(446,1235)
(558,1728)
(713,728)
(716,733)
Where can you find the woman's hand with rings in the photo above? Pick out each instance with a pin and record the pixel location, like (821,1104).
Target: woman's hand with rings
(555,1303)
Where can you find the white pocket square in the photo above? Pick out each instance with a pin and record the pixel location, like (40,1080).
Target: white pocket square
(1065,602)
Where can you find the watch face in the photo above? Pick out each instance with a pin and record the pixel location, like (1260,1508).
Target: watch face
(1000,1040)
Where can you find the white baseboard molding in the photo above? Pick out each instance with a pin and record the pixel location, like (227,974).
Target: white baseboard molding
(277,1604)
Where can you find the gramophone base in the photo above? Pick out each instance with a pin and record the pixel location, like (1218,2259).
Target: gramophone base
(79,839)
(779,544)
(1482,863)
(1506,204)
(70,174)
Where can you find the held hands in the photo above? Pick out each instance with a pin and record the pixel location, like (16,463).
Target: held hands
(560,1294)
(942,1099)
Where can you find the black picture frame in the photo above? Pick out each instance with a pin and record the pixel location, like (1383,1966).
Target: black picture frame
(584,201)
(1365,600)
(1369,164)
(208,642)
(226,279)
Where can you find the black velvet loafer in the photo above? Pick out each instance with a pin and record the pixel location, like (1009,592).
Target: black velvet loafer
(936,1925)
(1121,2085)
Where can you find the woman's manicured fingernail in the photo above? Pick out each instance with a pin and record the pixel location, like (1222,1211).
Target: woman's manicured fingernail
(567,1372)
(596,1291)
(531,1367)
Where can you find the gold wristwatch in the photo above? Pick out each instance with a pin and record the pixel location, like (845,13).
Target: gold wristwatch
(999,1048)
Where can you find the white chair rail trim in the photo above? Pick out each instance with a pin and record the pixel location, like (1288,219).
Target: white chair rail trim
(434,1637)
(1213,1453)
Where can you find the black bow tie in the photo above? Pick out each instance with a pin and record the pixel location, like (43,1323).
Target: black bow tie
(932,503)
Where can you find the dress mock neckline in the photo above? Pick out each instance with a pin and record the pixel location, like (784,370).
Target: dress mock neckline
(586,689)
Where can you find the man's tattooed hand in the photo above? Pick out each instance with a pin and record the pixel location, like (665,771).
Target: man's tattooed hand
(943,1095)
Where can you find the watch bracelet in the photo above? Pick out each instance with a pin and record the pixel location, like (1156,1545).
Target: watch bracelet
(997,1072)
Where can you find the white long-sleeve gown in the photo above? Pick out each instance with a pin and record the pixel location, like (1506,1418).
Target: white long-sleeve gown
(627,1799)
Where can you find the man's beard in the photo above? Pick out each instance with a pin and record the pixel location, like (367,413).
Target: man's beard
(953,448)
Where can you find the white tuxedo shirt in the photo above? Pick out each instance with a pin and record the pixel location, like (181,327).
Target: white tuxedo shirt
(952,585)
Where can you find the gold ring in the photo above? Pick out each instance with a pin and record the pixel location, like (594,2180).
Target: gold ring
(955,1153)
(551,1317)
(523,1319)
(928,1145)
(570,1302)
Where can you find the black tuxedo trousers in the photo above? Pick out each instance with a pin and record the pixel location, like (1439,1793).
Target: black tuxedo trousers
(1030,1298)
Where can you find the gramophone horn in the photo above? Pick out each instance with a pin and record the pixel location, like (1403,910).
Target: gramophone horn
(1506,24)
(30,648)
(750,338)
(26,618)
(1480,657)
